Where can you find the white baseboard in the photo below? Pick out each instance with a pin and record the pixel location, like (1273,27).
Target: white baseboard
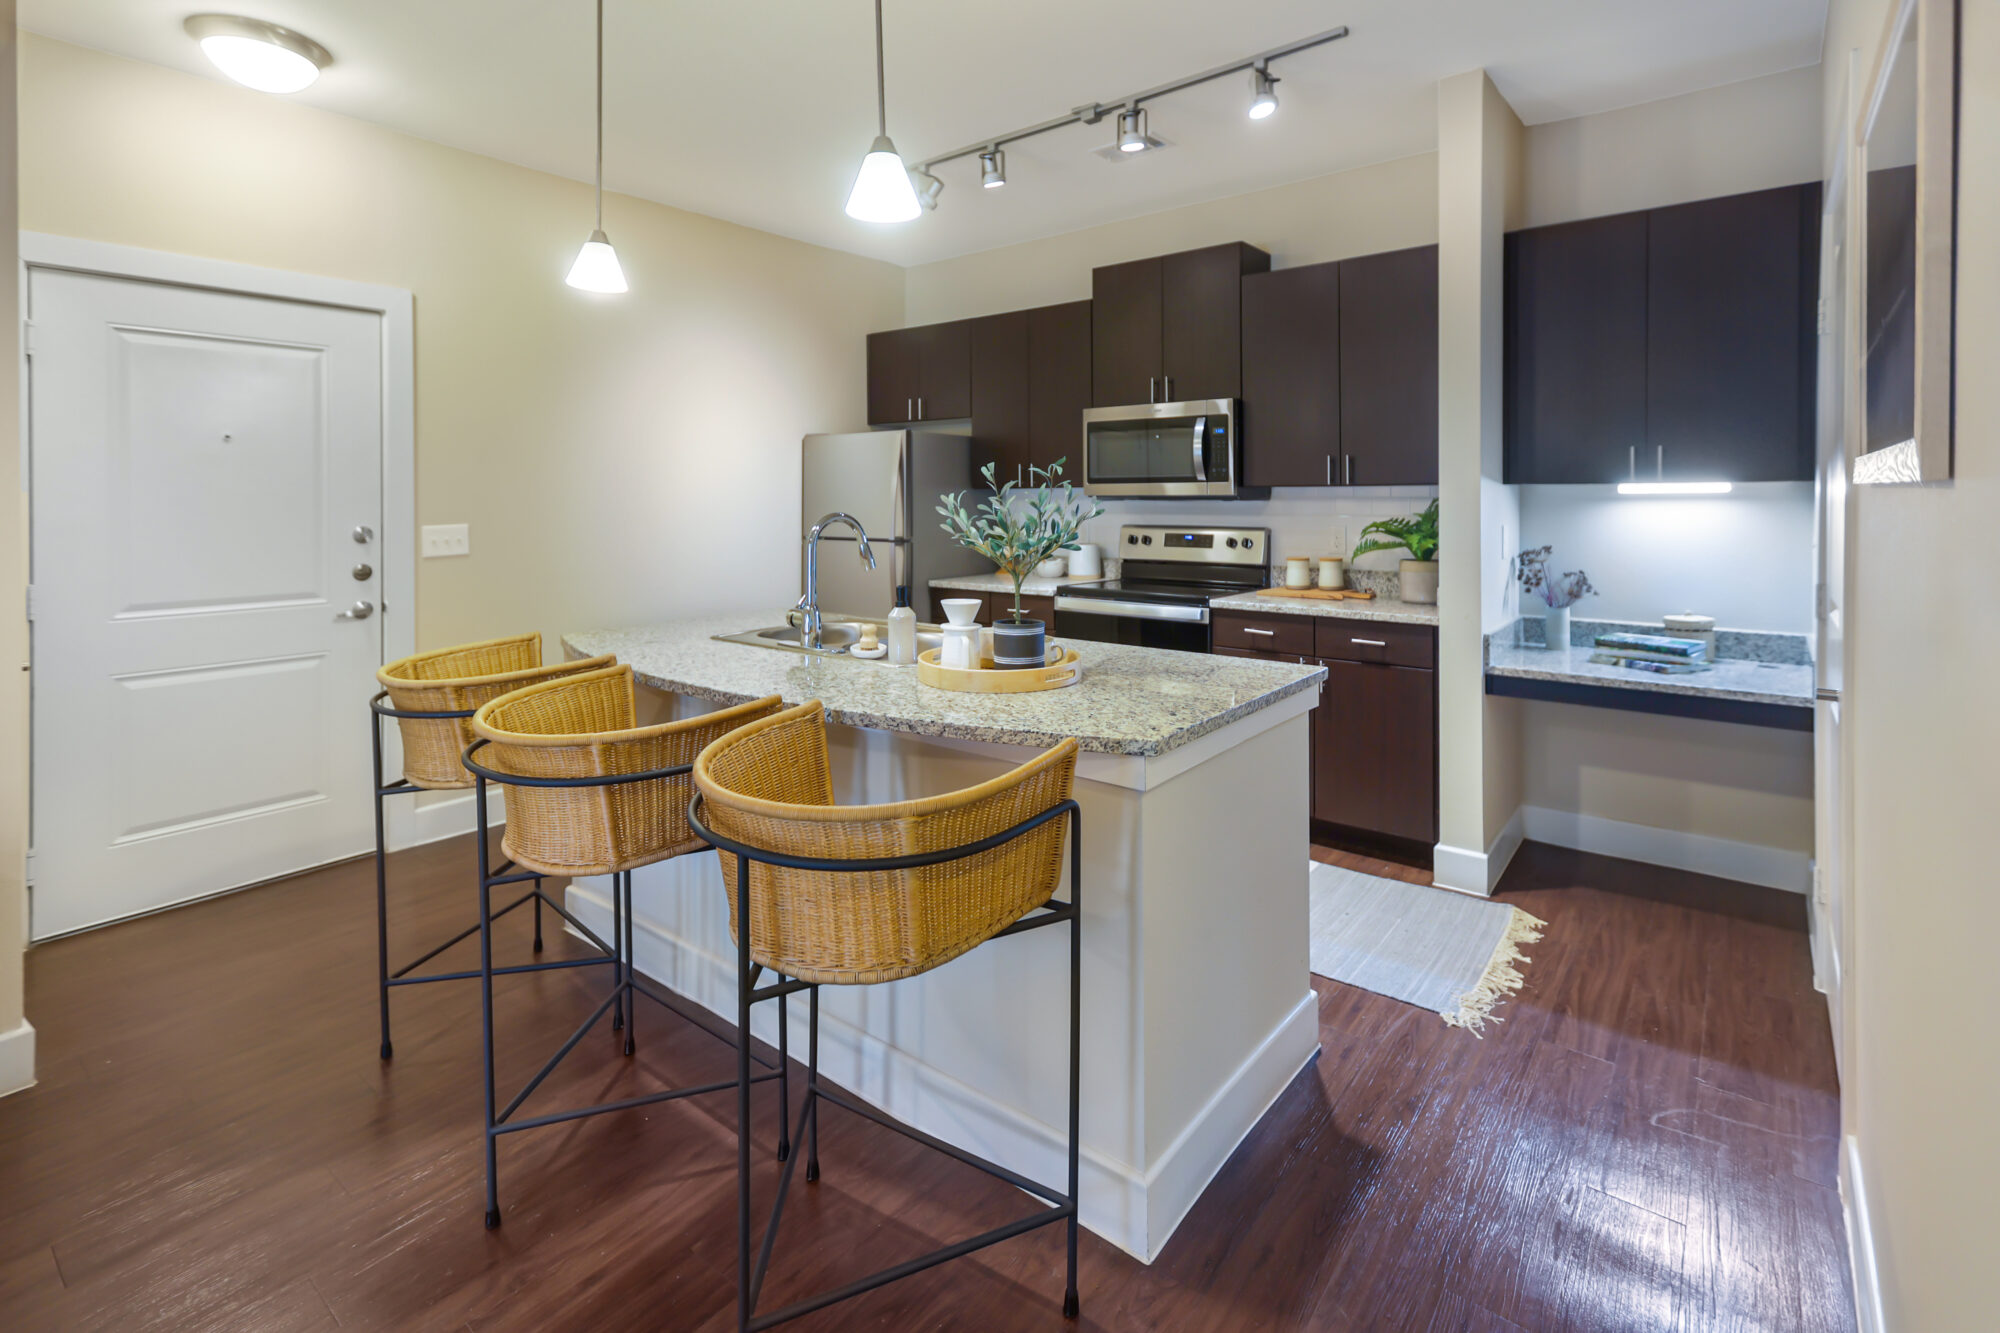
(1477,873)
(17,1058)
(1749,862)
(416,820)
(1133,1209)
(1868,1314)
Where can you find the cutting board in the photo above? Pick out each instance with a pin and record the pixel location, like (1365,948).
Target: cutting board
(1320,594)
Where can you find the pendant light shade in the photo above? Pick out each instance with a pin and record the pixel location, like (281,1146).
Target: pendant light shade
(882,190)
(596,268)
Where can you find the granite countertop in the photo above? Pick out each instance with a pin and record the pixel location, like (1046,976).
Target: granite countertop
(1032,586)
(1787,683)
(1380,608)
(1131,701)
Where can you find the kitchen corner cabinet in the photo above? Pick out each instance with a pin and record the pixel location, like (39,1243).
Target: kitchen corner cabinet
(1030,385)
(1340,372)
(920,374)
(1676,343)
(1169,329)
(1374,732)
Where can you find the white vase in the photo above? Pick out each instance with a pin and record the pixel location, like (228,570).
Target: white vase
(1417,581)
(1555,627)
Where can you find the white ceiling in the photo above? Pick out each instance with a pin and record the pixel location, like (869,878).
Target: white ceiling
(758,111)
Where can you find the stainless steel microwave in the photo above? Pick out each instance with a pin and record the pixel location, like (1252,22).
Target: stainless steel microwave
(1164,450)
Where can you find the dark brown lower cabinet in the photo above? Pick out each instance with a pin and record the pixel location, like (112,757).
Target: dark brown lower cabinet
(1374,733)
(995,605)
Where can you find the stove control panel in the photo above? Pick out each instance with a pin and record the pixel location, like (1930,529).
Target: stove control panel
(1207,546)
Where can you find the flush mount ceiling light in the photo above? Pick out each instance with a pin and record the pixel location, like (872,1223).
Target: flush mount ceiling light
(596,268)
(882,191)
(1673,488)
(257,54)
(1263,93)
(1131,138)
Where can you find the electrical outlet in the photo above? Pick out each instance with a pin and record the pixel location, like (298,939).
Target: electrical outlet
(1339,538)
(447,539)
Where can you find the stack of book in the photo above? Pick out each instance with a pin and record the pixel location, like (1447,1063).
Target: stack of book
(1651,652)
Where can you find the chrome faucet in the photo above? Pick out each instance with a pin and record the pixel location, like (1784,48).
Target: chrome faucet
(810,624)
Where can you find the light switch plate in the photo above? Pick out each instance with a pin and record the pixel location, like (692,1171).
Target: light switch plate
(447,539)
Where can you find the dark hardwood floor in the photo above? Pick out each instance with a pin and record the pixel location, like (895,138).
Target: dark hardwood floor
(1647,1142)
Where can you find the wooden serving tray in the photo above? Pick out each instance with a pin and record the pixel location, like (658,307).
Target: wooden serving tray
(1320,594)
(1065,667)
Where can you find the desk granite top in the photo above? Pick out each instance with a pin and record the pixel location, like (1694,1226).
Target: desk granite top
(1131,701)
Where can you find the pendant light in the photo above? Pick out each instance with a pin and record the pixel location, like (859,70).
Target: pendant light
(882,191)
(596,268)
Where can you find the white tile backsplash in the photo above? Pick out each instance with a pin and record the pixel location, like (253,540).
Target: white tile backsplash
(1305,520)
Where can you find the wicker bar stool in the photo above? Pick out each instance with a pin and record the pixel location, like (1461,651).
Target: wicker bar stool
(432,697)
(822,894)
(589,793)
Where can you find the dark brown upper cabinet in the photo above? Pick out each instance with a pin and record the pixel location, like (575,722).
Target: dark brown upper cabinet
(1731,323)
(1291,376)
(1169,329)
(1675,344)
(1389,369)
(920,374)
(1030,385)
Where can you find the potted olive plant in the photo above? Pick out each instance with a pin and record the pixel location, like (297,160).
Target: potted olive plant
(1017,528)
(1417,534)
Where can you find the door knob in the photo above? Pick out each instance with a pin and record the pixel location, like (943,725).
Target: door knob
(363,535)
(359,611)
(363,572)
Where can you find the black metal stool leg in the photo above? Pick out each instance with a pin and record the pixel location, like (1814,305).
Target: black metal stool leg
(486,1010)
(381,891)
(1071,1305)
(618,950)
(812,1084)
(631,997)
(538,914)
(743,1095)
(784,1079)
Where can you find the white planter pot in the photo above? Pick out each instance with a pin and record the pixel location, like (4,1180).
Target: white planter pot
(1419,581)
(1555,627)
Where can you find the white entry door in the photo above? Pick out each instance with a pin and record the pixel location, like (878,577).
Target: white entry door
(204,466)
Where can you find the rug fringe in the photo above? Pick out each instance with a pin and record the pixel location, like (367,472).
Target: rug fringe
(1502,976)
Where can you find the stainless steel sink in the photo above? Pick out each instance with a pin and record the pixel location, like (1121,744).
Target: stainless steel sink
(836,637)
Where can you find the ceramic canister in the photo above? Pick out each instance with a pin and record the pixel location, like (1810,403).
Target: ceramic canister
(1332,573)
(1298,571)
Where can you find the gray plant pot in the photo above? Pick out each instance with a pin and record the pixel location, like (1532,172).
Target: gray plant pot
(1019,644)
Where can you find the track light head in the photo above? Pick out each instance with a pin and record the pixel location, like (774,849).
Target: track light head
(929,187)
(1263,93)
(993,168)
(1132,131)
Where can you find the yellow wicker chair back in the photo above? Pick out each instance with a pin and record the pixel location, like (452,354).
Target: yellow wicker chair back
(582,726)
(768,785)
(457,680)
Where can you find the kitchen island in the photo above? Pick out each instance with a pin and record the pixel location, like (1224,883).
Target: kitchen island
(1196,1005)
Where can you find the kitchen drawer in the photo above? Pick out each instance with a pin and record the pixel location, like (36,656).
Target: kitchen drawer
(1376,641)
(1269,634)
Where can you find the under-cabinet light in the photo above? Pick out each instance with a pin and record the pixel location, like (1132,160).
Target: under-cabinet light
(1673,488)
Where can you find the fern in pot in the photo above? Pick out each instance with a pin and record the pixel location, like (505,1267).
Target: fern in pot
(1017,527)
(1417,577)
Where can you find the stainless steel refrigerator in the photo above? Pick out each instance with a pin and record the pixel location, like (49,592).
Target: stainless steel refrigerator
(890,480)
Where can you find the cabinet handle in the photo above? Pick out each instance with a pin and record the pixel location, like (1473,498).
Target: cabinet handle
(1267,633)
(1660,460)
(1371,643)
(1632,461)
(909,409)
(920,409)
(1329,469)
(1347,467)
(1152,388)
(1166,388)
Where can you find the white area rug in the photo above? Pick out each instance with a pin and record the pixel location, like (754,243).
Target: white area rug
(1453,954)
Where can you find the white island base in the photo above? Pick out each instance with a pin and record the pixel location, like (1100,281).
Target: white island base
(1197,1008)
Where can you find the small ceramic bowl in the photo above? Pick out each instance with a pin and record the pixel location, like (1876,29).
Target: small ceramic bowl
(1054,567)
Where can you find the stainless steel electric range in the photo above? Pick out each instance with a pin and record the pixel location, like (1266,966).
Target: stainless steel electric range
(1168,577)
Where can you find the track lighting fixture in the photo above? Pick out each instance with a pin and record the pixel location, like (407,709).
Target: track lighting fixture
(596,268)
(882,190)
(257,54)
(993,168)
(928,188)
(1263,93)
(1132,131)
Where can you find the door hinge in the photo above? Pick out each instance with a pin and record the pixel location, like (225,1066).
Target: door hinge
(28,337)
(1820,318)
(28,868)
(31,603)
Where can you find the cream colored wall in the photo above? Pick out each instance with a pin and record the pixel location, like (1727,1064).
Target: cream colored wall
(1923,727)
(619,459)
(13,585)
(1389,206)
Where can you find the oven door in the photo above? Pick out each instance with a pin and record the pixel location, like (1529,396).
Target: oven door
(1142,624)
(1161,450)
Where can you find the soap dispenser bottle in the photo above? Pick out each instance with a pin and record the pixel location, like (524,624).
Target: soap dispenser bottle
(902,631)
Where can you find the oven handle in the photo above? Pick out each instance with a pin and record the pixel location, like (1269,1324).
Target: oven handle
(1101,606)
